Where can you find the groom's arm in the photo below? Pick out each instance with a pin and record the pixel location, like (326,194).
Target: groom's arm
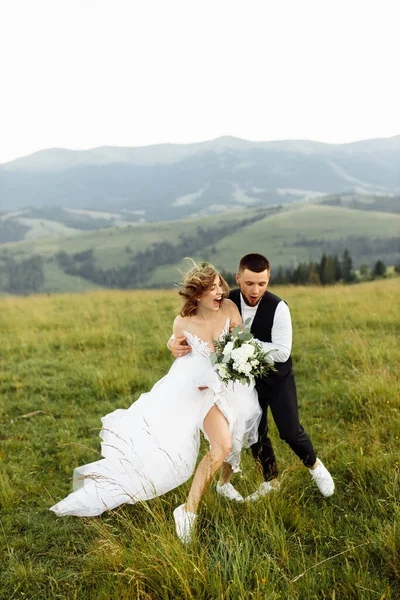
(281,335)
(178,346)
(177,343)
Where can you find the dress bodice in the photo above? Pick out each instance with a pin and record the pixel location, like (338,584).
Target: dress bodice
(199,345)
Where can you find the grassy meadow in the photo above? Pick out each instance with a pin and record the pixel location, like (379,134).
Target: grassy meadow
(67,360)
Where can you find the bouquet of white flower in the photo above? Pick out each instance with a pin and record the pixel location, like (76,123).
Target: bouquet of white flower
(239,357)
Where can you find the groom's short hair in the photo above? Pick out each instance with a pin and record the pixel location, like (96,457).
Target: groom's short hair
(254,262)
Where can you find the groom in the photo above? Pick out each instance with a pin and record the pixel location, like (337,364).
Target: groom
(271,324)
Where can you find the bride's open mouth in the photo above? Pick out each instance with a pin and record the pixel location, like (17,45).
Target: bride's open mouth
(217,301)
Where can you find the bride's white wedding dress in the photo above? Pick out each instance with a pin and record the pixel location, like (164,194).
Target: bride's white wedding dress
(152,447)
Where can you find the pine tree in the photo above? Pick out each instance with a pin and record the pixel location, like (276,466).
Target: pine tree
(313,278)
(279,276)
(321,267)
(364,272)
(348,273)
(329,275)
(379,269)
(338,269)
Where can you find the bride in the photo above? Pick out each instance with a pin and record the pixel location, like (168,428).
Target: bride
(152,447)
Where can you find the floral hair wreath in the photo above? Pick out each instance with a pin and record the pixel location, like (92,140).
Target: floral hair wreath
(198,268)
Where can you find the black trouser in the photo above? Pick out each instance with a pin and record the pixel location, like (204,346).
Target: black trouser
(281,398)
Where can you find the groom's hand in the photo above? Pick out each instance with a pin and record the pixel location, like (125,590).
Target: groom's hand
(179,347)
(233,325)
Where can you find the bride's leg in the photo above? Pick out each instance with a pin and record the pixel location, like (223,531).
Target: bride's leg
(225,474)
(217,430)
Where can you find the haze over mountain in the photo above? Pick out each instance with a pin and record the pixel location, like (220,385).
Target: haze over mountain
(173,181)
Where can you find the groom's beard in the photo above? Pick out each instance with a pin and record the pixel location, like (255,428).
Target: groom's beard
(251,301)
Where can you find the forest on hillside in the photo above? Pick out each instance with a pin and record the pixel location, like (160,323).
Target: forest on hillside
(28,275)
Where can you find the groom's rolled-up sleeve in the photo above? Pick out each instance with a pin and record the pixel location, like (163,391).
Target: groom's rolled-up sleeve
(281,335)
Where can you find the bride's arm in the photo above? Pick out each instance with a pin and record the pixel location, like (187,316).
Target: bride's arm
(178,326)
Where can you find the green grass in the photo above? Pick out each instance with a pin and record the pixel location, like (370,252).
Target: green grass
(78,357)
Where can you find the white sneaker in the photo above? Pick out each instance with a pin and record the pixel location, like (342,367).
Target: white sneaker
(228,491)
(323,479)
(264,489)
(184,523)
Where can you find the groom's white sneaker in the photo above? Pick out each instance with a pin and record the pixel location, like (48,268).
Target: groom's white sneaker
(323,479)
(184,523)
(264,489)
(228,491)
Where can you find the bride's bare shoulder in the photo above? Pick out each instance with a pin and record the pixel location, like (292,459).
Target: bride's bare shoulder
(180,324)
(229,307)
(231,310)
(228,304)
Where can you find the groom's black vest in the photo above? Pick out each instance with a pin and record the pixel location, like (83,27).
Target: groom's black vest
(261,328)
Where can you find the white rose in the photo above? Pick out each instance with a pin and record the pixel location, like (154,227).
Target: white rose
(241,366)
(255,362)
(228,348)
(238,355)
(222,370)
(243,353)
(248,349)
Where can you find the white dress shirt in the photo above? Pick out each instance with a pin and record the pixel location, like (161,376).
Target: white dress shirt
(281,333)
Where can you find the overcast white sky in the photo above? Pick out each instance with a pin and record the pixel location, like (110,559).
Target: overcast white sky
(86,73)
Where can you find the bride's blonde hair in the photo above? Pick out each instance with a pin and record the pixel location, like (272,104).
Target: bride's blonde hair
(198,281)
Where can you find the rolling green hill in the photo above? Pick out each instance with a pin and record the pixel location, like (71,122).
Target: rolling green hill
(302,233)
(390,203)
(293,233)
(111,244)
(151,254)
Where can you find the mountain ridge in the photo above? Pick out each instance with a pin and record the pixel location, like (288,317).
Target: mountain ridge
(170,182)
(151,154)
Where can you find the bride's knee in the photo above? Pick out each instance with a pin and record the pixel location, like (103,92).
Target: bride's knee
(221,451)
